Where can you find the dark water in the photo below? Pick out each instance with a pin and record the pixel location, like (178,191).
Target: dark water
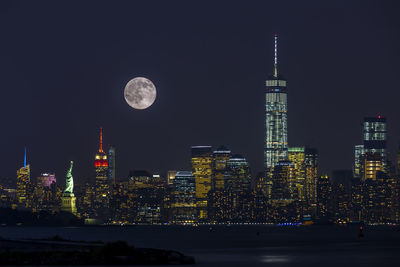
(247,245)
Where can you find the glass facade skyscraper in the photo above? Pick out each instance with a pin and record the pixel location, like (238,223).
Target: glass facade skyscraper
(374,142)
(311,167)
(111,165)
(220,159)
(183,198)
(237,175)
(375,136)
(276,136)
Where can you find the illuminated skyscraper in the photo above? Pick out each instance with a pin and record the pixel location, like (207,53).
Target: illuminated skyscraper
(311,165)
(23,180)
(202,172)
(220,158)
(283,181)
(111,165)
(237,175)
(183,202)
(374,141)
(297,156)
(375,137)
(324,189)
(101,168)
(276,136)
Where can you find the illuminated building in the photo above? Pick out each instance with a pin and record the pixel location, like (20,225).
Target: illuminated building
(374,141)
(111,165)
(297,156)
(378,199)
(159,182)
(371,165)
(358,152)
(324,193)
(283,181)
(46,179)
(138,200)
(220,206)
(375,137)
(23,185)
(101,168)
(88,200)
(183,198)
(140,178)
(237,174)
(356,205)
(170,177)
(260,184)
(220,159)
(311,165)
(276,136)
(341,194)
(202,172)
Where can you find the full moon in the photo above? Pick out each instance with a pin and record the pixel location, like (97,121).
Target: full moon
(140,93)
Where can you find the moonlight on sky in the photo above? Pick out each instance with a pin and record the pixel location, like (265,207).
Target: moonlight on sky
(140,93)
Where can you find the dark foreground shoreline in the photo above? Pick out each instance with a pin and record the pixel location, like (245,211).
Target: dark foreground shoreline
(59,251)
(235,245)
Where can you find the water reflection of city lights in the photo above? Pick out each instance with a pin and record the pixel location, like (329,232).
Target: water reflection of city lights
(271,258)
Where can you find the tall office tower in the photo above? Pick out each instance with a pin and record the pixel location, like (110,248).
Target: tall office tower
(237,175)
(276,134)
(46,179)
(283,181)
(324,194)
(23,180)
(311,165)
(297,156)
(183,202)
(111,165)
(101,168)
(202,172)
(220,158)
(375,137)
(374,141)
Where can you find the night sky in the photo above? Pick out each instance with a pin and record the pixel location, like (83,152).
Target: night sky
(64,66)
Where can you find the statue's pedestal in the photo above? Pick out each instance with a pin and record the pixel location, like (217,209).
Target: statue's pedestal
(68,203)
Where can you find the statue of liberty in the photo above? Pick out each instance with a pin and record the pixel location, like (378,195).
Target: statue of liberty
(69,189)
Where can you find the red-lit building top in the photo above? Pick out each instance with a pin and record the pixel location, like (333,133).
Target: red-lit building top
(101,157)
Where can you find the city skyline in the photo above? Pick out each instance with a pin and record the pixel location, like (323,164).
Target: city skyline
(332,86)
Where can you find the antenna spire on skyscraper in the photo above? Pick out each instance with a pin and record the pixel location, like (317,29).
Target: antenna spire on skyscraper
(276,57)
(101,140)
